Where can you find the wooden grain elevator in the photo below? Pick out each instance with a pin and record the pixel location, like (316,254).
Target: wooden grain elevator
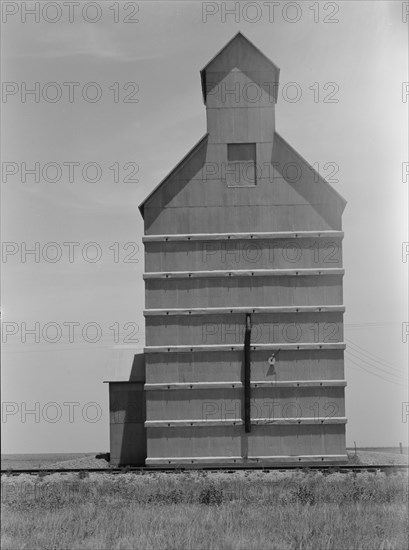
(244,356)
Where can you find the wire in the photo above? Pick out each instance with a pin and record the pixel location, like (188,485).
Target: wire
(372,356)
(375,374)
(399,376)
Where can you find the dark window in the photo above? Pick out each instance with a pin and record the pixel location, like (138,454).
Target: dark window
(241,164)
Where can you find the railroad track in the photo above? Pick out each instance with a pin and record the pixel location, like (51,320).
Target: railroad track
(141,470)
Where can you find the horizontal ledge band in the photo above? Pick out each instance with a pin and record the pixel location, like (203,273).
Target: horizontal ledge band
(239,347)
(242,273)
(228,236)
(260,309)
(240,422)
(242,460)
(238,384)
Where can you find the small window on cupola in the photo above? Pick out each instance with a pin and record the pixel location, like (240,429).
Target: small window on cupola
(241,165)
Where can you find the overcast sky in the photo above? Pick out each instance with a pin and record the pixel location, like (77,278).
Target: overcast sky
(360,46)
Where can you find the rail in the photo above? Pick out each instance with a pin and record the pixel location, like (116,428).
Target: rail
(328,468)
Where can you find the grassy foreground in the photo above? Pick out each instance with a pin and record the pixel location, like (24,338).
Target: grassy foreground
(193,510)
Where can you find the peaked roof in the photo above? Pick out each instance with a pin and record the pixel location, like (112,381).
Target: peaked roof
(203,140)
(185,159)
(254,50)
(234,43)
(320,178)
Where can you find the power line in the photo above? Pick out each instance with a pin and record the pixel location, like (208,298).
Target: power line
(377,324)
(396,376)
(372,356)
(375,374)
(383,367)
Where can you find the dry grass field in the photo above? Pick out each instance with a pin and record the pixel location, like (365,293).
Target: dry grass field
(198,510)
